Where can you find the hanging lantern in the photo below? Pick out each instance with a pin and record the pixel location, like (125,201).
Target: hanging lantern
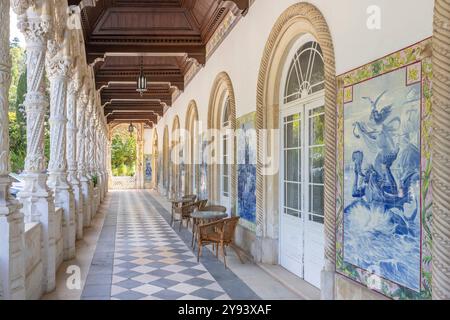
(131,128)
(142,80)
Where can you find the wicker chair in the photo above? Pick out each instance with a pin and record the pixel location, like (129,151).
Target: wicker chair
(191,197)
(185,213)
(219,233)
(202,203)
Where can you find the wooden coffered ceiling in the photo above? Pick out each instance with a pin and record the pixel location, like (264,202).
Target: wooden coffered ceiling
(169,38)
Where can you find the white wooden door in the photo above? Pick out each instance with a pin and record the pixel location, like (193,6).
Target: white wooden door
(225,174)
(301,185)
(292,226)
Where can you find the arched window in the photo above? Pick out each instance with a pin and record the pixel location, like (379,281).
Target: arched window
(226,154)
(306,73)
(193,150)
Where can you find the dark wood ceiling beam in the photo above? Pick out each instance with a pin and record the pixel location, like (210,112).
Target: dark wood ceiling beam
(132,117)
(98,50)
(155,110)
(148,123)
(106,81)
(243,5)
(167,99)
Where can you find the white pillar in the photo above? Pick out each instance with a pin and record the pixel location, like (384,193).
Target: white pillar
(88,144)
(36,198)
(81,156)
(12,254)
(71,152)
(57,66)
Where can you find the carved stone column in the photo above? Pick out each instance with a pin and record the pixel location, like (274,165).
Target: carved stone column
(58,66)
(87,157)
(108,162)
(105,160)
(12,253)
(81,157)
(441,151)
(91,154)
(37,199)
(100,161)
(87,137)
(71,153)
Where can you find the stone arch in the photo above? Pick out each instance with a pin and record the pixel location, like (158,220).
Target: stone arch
(175,179)
(295,21)
(136,182)
(166,157)
(222,86)
(192,147)
(155,164)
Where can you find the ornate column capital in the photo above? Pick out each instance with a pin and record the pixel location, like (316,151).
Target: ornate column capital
(19,7)
(57,65)
(35,29)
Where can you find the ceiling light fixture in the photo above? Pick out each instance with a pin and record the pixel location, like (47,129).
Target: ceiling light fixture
(131,128)
(142,80)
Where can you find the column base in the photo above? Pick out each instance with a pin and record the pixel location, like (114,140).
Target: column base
(327,281)
(12,251)
(78,198)
(38,206)
(87,200)
(64,199)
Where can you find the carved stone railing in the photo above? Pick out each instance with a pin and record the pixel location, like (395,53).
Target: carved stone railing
(120,183)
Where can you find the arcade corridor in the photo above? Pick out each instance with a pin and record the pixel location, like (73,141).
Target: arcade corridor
(138,256)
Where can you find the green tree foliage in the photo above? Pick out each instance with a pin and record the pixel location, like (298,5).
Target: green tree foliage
(17,68)
(123,155)
(17,122)
(17,144)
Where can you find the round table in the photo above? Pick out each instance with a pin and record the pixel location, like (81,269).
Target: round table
(205,215)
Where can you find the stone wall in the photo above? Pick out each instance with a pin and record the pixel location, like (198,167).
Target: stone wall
(33,261)
(244,239)
(347,289)
(59,242)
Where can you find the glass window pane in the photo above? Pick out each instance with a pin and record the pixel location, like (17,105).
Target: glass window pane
(292,195)
(316,127)
(225,184)
(316,200)
(291,169)
(316,111)
(316,163)
(225,145)
(318,219)
(318,71)
(225,170)
(292,134)
(293,213)
(293,84)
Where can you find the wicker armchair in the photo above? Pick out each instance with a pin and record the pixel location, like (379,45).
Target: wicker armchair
(191,197)
(202,203)
(184,213)
(219,233)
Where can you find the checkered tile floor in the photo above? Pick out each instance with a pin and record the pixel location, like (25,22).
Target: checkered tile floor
(151,262)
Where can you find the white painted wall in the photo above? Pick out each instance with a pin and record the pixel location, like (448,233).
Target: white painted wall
(148,133)
(403,22)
